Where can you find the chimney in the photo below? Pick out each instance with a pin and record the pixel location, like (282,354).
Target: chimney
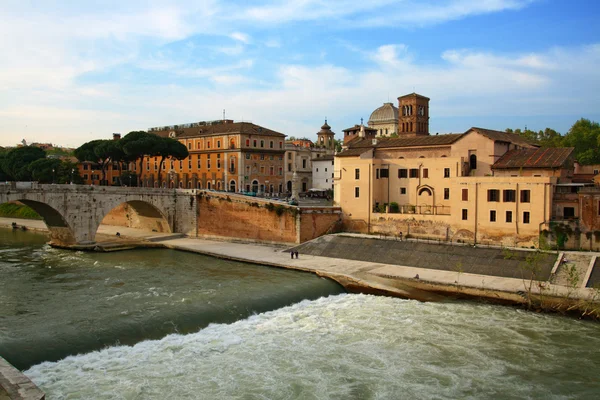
(116,136)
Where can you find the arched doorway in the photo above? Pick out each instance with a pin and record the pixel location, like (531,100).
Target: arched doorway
(219,185)
(255,186)
(289,186)
(199,185)
(232,186)
(425,200)
(208,185)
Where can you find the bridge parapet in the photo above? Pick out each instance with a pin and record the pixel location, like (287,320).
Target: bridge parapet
(74,212)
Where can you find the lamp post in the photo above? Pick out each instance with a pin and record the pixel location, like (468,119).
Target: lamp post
(53,170)
(130,179)
(72,173)
(92,177)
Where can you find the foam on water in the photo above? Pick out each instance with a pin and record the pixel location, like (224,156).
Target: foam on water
(348,347)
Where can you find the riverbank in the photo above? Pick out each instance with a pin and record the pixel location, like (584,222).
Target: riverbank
(561,288)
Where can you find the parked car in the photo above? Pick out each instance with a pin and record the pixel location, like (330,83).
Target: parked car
(293,202)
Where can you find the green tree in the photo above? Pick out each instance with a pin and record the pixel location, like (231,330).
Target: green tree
(17,160)
(169,148)
(94,151)
(3,175)
(584,136)
(338,145)
(45,170)
(137,144)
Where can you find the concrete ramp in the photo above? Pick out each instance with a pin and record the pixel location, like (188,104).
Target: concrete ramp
(507,263)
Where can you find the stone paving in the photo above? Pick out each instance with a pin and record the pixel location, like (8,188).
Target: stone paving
(457,258)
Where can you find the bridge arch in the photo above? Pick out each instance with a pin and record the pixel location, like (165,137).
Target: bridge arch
(59,228)
(137,214)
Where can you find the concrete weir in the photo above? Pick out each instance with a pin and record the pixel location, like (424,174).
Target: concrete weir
(15,385)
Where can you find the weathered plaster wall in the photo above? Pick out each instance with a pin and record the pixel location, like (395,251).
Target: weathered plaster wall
(315,222)
(436,227)
(244,218)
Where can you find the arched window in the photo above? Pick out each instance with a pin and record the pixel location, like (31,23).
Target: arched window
(232,144)
(425,191)
(199,185)
(473,161)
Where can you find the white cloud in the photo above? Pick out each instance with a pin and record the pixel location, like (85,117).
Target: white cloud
(468,84)
(376,12)
(241,37)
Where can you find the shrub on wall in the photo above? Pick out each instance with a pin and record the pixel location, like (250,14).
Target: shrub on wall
(394,207)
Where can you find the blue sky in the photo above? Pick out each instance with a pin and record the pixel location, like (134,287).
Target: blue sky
(71,71)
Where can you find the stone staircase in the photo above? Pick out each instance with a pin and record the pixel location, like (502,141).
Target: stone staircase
(566,276)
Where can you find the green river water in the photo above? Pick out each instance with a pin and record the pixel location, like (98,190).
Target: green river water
(160,324)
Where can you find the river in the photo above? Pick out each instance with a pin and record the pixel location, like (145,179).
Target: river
(238,331)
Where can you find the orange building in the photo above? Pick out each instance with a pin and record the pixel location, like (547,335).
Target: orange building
(223,155)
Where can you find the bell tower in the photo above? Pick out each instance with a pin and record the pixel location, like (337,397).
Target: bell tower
(325,137)
(413,115)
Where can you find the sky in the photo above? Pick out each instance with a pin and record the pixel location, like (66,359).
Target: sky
(73,71)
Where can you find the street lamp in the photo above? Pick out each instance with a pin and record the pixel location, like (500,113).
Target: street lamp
(72,173)
(53,170)
(129,179)
(92,177)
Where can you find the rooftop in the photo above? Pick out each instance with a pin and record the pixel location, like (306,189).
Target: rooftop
(500,136)
(212,128)
(543,157)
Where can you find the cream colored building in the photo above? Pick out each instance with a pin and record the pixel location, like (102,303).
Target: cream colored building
(478,186)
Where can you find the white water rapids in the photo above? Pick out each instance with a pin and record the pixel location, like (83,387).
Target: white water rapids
(348,347)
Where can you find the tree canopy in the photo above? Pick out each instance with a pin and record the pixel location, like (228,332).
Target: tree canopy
(584,136)
(16,161)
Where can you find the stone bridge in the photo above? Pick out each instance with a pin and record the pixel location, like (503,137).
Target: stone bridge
(73,213)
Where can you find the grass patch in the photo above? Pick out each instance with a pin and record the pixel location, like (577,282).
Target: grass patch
(14,210)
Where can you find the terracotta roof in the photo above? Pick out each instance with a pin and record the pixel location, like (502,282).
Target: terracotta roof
(218,129)
(357,127)
(352,152)
(500,136)
(326,157)
(384,142)
(413,94)
(544,157)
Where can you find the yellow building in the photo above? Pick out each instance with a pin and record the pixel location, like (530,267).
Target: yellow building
(481,185)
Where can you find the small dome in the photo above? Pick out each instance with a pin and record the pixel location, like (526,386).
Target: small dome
(386,113)
(325,130)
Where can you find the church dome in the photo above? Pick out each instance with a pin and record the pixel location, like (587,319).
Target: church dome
(386,113)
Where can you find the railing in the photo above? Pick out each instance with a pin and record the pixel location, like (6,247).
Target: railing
(412,209)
